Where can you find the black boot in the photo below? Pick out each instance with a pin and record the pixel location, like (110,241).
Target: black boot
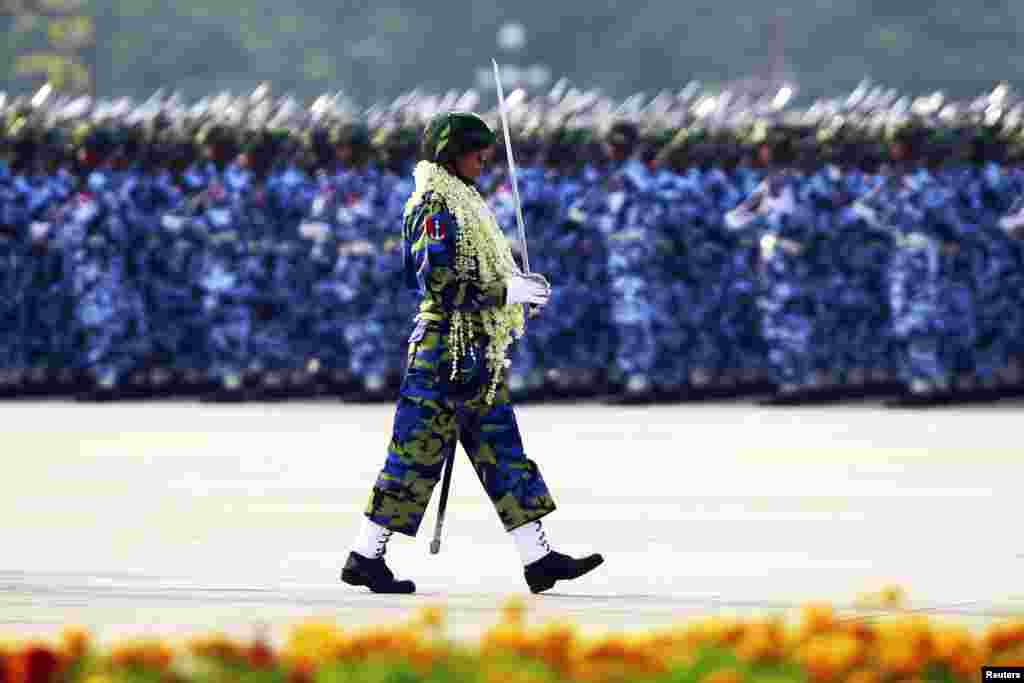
(360,571)
(542,574)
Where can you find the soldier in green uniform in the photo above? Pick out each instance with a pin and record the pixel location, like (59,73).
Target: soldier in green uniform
(474,299)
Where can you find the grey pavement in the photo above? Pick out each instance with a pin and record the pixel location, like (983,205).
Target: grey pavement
(178,518)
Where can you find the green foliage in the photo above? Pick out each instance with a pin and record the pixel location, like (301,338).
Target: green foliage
(936,673)
(375,51)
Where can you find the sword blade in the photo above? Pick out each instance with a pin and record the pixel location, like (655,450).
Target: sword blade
(511,168)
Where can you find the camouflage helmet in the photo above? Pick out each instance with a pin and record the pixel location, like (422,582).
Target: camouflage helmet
(451,134)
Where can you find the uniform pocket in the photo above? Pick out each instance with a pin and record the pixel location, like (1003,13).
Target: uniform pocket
(423,365)
(414,341)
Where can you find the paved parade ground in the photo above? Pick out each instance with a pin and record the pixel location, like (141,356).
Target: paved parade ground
(174,518)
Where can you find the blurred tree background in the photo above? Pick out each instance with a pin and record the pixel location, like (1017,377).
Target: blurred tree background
(377,50)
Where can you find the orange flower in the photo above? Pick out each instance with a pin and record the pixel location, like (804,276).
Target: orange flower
(1010,657)
(761,640)
(611,647)
(425,655)
(827,656)
(217,647)
(900,657)
(555,645)
(948,641)
(617,655)
(378,641)
(142,654)
(816,617)
(301,671)
(863,676)
(717,631)
(723,676)
(967,663)
(757,645)
(1004,635)
(859,629)
(75,642)
(904,645)
(503,637)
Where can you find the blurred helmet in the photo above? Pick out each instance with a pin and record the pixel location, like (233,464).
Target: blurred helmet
(623,134)
(355,134)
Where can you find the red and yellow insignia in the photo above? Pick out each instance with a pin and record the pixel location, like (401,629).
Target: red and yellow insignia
(434,228)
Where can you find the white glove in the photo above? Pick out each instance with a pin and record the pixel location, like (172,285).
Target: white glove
(529,288)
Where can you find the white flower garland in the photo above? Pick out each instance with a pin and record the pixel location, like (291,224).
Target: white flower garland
(479,242)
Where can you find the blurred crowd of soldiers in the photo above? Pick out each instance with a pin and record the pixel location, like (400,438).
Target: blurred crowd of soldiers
(697,243)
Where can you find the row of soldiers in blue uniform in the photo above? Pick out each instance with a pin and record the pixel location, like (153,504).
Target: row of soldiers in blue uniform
(825,277)
(255,263)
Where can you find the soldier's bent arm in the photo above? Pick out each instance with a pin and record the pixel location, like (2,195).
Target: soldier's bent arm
(433,238)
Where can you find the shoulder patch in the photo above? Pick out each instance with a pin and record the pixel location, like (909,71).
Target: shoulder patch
(434,228)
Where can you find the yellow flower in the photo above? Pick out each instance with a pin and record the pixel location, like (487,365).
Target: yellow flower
(889,597)
(914,632)
(431,616)
(99,678)
(504,637)
(513,610)
(312,640)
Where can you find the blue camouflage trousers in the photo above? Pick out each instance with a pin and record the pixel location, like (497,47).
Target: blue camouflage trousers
(434,413)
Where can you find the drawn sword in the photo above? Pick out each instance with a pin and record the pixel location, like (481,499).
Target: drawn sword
(511,168)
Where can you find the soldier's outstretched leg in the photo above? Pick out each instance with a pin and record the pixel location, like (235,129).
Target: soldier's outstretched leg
(513,482)
(424,433)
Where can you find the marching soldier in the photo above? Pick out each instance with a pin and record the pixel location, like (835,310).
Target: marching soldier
(454,388)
